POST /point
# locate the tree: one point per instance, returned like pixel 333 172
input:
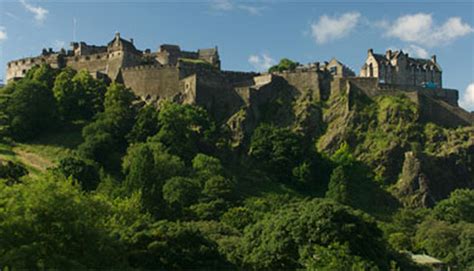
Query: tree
pixel 458 207
pixel 439 239
pixel 48 223
pixel 207 166
pixel 90 94
pixel 174 246
pixel 79 96
pixel 147 166
pixel 44 74
pixel 85 172
pixel 218 187
pixel 285 64
pixel 337 188
pixel 278 240
pixel 64 91
pixel 185 130
pixel 279 150
pixel 31 109
pixel 146 125
pixel 106 135
pixel 181 192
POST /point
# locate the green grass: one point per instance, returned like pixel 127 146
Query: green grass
pixel 43 152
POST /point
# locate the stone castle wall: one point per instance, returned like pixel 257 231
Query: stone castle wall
pixel 156 82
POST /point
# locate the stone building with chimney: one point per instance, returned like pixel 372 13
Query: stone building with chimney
pixel 398 68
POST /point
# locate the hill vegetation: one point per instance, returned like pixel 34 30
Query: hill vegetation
pixel 90 177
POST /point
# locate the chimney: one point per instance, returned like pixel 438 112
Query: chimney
pixel 131 40
pixel 388 54
pixel 117 35
pixel 433 58
pixel 371 51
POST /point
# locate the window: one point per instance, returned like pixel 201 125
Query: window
pixel 333 70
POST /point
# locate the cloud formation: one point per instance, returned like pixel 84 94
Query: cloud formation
pixel 416 51
pixel 228 5
pixel 3 34
pixel 262 62
pixel 467 100
pixel 421 29
pixel 332 28
pixel 40 13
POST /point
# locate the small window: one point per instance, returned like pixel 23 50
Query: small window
pixel 23 71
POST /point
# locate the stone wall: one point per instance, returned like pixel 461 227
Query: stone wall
pixel 304 82
pixel 155 82
pixel 19 68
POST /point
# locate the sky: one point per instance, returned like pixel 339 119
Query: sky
pixel 253 35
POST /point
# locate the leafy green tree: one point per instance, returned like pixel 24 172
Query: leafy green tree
pixel 106 135
pixel 238 217
pixel 185 130
pixel 338 187
pixel 146 125
pixel 465 249
pixel 31 109
pixel 64 91
pixel 218 187
pixel 79 96
pixel 85 172
pixel 181 192
pixel 278 149
pixel 207 166
pixel 333 257
pixel 175 246
pixel 285 64
pixel 458 207
pixel 147 166
pixel 43 73
pixel 439 239
pixel 277 241
pixel 49 223
pixel 90 94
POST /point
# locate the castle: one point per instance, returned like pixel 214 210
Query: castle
pixel 398 68
pixel 196 77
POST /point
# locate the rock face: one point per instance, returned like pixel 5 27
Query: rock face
pixel 414 186
pixel 426 180
pixel 392 133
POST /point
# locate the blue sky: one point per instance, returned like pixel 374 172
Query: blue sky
pixel 251 35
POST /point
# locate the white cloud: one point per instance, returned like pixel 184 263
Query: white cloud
pixel 251 9
pixel 416 51
pixel 262 62
pixel 3 34
pixel 467 100
pixel 222 5
pixel 228 5
pixel 421 29
pixel 332 28
pixel 39 12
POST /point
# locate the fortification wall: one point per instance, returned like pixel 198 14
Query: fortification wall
pixel 304 82
pixel 19 68
pixel 449 96
pixel 91 63
pixel 156 82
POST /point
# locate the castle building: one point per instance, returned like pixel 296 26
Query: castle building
pixel 110 59
pixel 196 77
pixel 398 68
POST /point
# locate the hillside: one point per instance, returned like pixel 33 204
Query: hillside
pixel 322 176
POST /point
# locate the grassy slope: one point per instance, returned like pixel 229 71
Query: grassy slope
pixel 44 152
